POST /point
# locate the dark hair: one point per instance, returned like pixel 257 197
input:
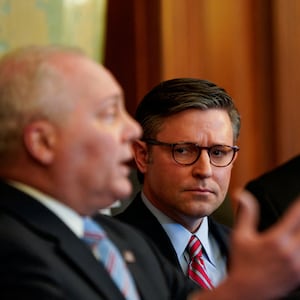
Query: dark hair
pixel 173 96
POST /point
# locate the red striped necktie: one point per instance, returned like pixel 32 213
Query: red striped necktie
pixel 196 268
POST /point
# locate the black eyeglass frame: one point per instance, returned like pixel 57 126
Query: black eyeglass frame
pixel 155 142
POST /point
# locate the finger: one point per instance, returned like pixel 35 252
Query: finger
pixel 247 211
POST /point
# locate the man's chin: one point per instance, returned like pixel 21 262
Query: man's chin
pixel 201 211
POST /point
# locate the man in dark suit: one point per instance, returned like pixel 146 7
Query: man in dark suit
pixel 184 161
pixel 183 184
pixel 276 190
pixel 65 143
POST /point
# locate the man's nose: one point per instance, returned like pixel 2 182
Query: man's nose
pixel 202 167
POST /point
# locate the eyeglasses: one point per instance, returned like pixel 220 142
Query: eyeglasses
pixel 188 153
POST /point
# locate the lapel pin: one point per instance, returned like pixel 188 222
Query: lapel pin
pixel 128 256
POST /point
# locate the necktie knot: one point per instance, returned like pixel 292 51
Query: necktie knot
pixel 93 233
pixel 194 247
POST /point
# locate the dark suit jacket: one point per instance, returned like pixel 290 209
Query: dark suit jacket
pixel 276 190
pixel 40 258
pixel 138 215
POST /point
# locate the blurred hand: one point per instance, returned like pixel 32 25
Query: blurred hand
pixel 268 261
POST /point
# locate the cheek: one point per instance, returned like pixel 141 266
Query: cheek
pixel 102 153
pixel 96 165
pixel 223 179
pixel 92 150
pixel 165 175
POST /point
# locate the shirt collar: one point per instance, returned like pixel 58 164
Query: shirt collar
pixel 71 218
pixel 178 234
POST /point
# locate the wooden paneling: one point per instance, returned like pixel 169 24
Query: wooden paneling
pixel 182 38
pixel 133 51
pixel 287 77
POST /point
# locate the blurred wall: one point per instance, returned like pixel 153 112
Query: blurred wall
pixel 79 23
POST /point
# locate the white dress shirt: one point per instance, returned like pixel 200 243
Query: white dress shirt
pixel 214 261
pixel 71 218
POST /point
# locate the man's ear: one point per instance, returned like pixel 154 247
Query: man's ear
pixel 39 139
pixel 141 155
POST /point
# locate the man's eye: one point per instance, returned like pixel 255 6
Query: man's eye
pixel 109 115
pixel 183 149
pixel 180 150
pixel 219 152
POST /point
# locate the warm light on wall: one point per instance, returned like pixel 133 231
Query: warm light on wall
pixel 79 23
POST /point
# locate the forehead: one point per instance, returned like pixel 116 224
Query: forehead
pixel 85 76
pixel 193 124
pixel 100 76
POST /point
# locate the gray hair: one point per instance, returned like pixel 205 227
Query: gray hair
pixel 31 87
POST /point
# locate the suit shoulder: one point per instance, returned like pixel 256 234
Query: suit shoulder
pixel 118 227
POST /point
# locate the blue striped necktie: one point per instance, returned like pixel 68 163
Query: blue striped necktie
pixel 110 257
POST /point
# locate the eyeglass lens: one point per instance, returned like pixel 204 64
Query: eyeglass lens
pixel 188 154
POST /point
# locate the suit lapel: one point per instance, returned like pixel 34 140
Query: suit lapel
pixel 142 282
pixel 80 255
pixel 133 263
pixel 151 227
pixel 221 233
